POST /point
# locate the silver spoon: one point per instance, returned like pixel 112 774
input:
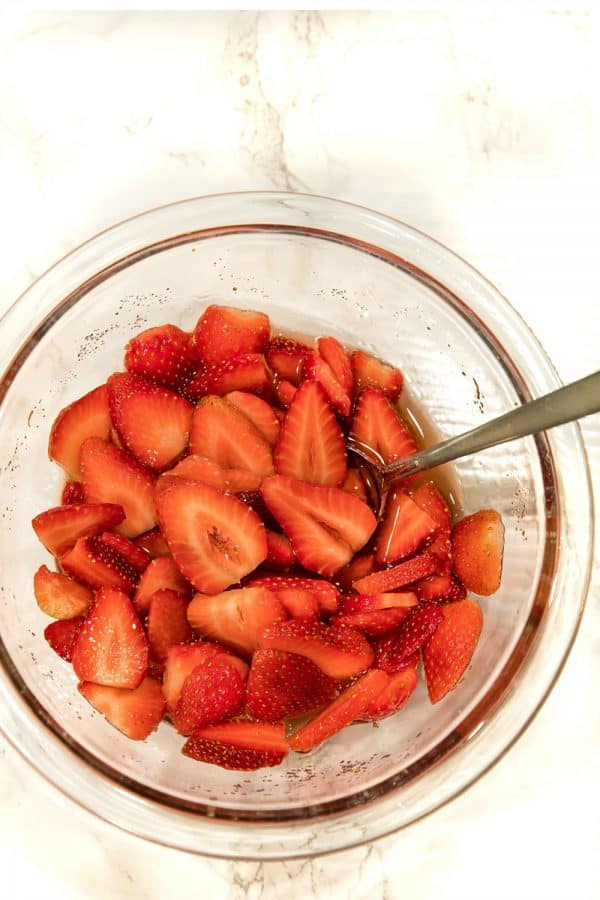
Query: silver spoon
pixel 575 401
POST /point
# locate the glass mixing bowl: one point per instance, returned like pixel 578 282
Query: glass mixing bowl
pixel 315 265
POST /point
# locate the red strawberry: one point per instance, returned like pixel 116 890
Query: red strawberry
pixel 359 567
pixel 477 549
pixel 136 712
pixel 279 551
pixel 152 422
pixel 87 417
pixel 345 709
pixel 326 525
pixel 153 543
pixel 299 604
pixel 164 355
pixel 285 357
pixel 404 528
pixel 237 617
pixel 340 652
pixel 440 587
pixel 223 331
pixel 61 636
pixel 354 484
pixel 167 621
pixel 111 476
pixel 448 652
pixel 238 745
pixel 392 651
pixel 72 494
pixel 224 434
pixel 136 557
pixel 111 647
pixel 94 563
pixel 375 622
pixel 398 576
pixel 58 529
pixel 161 574
pixel 181 661
pixel 59 596
pixel 377 424
pixel 326 593
pixel 314 368
pixel 371 372
pixel 201 468
pixel 214 538
pixel 359 603
pixel 393 697
pixel 258 411
pixel 431 501
pixel 286 392
pixel 213 691
pixel 311 445
pixel 246 372
pixel 338 361
pixel 282 685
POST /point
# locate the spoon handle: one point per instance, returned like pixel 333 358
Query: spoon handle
pixel 582 398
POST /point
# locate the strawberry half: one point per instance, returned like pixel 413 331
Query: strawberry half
pixel 224 434
pixel 285 357
pixel 61 636
pixel 182 659
pixel 448 652
pixel 136 712
pixel 224 331
pixel 237 618
pixel 280 554
pixel 325 593
pixel 153 543
pixel 340 652
pixel 59 528
pixel 404 528
pixel 282 685
pixel 87 417
pixel 311 445
pixel 398 576
pixel 326 526
pixel 258 411
pixel 392 652
pixel 314 368
pixel 246 372
pixel 161 574
pixel 94 563
pixel 59 596
pixel 214 538
pixel 137 558
pixel 393 697
pixel 164 355
pixel 167 622
pixel 111 647
pixel 334 354
pixel 213 691
pixel 201 468
pixel 371 372
pixel 72 494
pixel 477 550
pixel 238 745
pixel 377 424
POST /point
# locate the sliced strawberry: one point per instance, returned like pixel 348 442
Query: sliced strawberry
pixel 371 372
pixel 440 587
pixel 58 529
pixel 431 501
pixel 95 564
pixel 286 392
pixel 110 475
pixel 448 652
pixel 285 357
pixel 279 551
pixel 258 411
pixel 338 361
pixel 238 745
pixel 311 445
pixel 138 558
pixel 153 543
pixel 340 652
pixel 72 494
pixel 181 661
pixel 60 596
pixel 393 697
pixel 167 622
pixel 345 709
pixel 477 549
pixel 359 603
pixel 282 685
pixel 404 528
pixel 164 355
pixel 62 634
pixel 392 652
pixel 326 525
pixel 213 691
pixel 354 484
pixel 314 368
pixel 135 712
pixel 224 434
pixel 360 566
pixel 326 593
pixel 161 574
pixel 377 424
pixel 246 372
pixel 214 538
pixel 374 623
pixel 224 331
pixel 201 468
pixel 398 576
pixel 87 417
pixel 237 617
pixel 299 604
pixel 111 647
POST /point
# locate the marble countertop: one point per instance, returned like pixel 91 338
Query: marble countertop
pixel 474 128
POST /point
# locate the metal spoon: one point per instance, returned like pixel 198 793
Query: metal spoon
pixel 575 401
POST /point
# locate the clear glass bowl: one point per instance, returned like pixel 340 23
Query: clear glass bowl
pixel 315 265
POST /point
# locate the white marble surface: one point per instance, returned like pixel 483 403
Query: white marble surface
pixel 476 129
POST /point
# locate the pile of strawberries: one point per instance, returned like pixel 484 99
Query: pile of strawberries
pixel 219 563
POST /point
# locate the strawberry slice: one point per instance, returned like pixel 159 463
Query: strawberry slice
pixel 138 558
pixel 325 593
pixel 258 411
pixel 201 468
pixel 360 566
pixel 237 618
pixel 285 392
pixel 238 745
pixel 167 622
pixel 338 361
pixel 135 712
pixel 374 623
pixel 182 659
pixel 377 424
pixel 299 604
pixel 314 368
pixel 326 526
pixel 110 475
pixel 246 372
pixel 311 445
pixel 164 355
pixel 393 697
pixel 398 576
pixel 152 422
pixel 62 634
pixel 153 543
pixel 111 647
pixel 477 550
pixel 214 538
pixel 212 692
pixel 440 587
pixel 431 501
pixel 392 652
pixel 224 434
pixel 59 596
pixel 404 528
pixel 359 603
pixel 94 563
pixel 224 331
pixel 59 528
pixel 280 554
pixel 161 574
pixel 282 685
pixel 371 372
pixel 345 709
pixel 448 652
pixel 340 652
pixel 285 357
pixel 87 417
pixel 355 485
pixel 72 494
